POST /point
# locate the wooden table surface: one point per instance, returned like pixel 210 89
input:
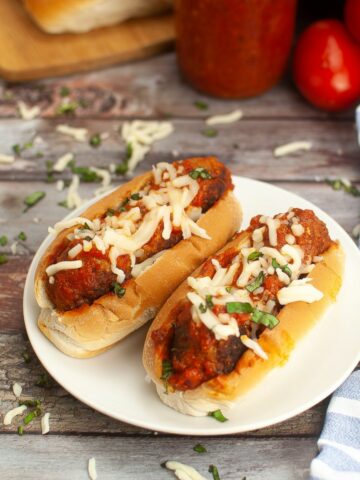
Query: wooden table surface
pixel 150 89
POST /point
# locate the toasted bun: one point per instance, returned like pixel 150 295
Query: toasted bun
pixel 296 319
pixel 90 329
pixel 57 16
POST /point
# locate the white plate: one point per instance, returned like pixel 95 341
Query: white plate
pixel 114 382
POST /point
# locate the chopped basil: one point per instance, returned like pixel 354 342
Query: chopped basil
pixel 33 199
pixel 67 107
pixel 95 140
pixel 264 318
pixel 209 302
pixel 228 289
pixel 64 92
pixel 26 357
pixel 17 148
pixel 202 308
pixel 22 236
pixel 218 415
pixel 200 172
pixel 135 196
pixel 3 259
pixel 199 448
pixel 239 307
pixel 110 212
pixel 166 372
pixel 210 132
pixel 284 268
pixel 214 471
pixel 201 105
pixel 3 240
pixel 129 151
pixel 118 289
pixel 122 168
pixel 30 416
pixel 254 256
pixel 44 381
pixel 86 174
pixel 256 283
pixel 347 187
pixel 49 171
pixel 30 403
pixel 20 430
pixel 122 206
pixel 63 204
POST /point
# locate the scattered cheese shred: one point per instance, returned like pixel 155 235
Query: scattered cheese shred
pixel 17 389
pixel 63 162
pixel 60 185
pixel 356 231
pixel 73 198
pixel 80 134
pixel 7 158
pixel 254 346
pixel 92 468
pixel 13 248
pixel 14 413
pixel 105 180
pixel 226 118
pixel 141 135
pixel 292 147
pixel 65 265
pixel 183 471
pixel 45 424
pixel 28 113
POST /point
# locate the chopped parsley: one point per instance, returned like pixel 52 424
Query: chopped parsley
pixel 118 289
pixel 254 256
pixel 3 259
pixel 214 471
pixel 199 448
pixel 251 287
pixel 218 415
pixel 201 105
pixel 67 107
pixel 284 268
pixel 33 199
pixel 210 132
pixel 22 236
pixel 3 241
pixel 95 140
pixel 346 186
pixel 200 172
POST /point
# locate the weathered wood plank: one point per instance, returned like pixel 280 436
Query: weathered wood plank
pixel 68 415
pixel 150 88
pixel 57 457
pixel 246 146
pixel 344 208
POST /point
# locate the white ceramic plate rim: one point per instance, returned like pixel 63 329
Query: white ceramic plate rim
pixel 218 428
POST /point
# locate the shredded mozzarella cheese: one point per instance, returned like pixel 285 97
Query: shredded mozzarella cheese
pixel 28 113
pixel 183 471
pixel 7 158
pixel 226 118
pixel 8 418
pixel 63 162
pixel 291 148
pixel 17 389
pixel 74 252
pixel 80 134
pixel 45 424
pixel 65 265
pixel 254 346
pixel 92 469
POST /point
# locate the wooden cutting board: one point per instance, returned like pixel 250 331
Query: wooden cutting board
pixel 27 53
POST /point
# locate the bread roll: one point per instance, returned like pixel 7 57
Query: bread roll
pixel 59 16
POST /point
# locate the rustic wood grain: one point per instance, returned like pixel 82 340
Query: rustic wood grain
pixel 59 457
pixel 68 415
pixel 152 88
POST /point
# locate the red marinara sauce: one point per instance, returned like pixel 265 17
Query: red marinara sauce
pixel 234 48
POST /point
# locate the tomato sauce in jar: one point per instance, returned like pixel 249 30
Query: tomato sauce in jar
pixel 234 48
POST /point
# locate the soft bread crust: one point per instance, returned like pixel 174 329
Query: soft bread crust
pixel 58 16
pixel 296 319
pixel 90 329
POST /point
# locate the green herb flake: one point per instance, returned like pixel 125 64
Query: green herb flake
pixel 86 174
pixel 264 318
pixel 210 132
pixel 110 212
pixel 26 357
pixel 346 186
pixel 284 268
pixel 33 199
pixel 122 206
pixel 22 236
pixel 122 168
pixel 209 302
pixel 218 415
pixel 135 196
pixel 239 307
pixel 254 256
pixel 63 203
pixel 200 172
pixel 95 140
pixel 44 381
pixel 67 107
pixel 256 283
pixel 16 149
pixel 30 416
pixel 64 91
pixel 129 150
pixel 3 259
pixel 202 307
pixel 228 289
pixel 20 430
pixel 214 471
pixel 30 403
pixel 199 448
pixel 118 289
pixel 3 240
pixel 201 105
pixel 166 372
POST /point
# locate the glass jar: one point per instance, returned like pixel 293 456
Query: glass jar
pixel 234 48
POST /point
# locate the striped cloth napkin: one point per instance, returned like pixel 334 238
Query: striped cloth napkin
pixel 339 442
